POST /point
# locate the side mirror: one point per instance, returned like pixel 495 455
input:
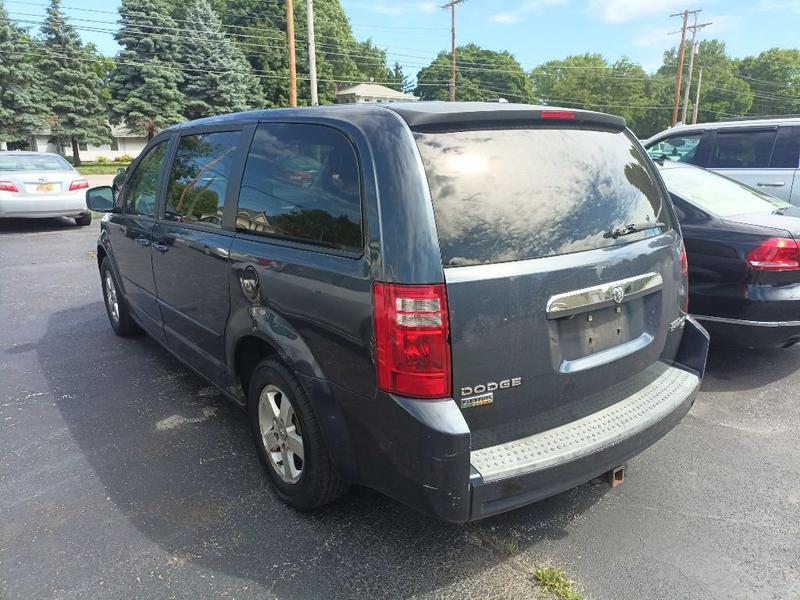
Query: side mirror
pixel 121 170
pixel 100 199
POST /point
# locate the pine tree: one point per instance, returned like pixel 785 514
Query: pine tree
pixel 145 83
pixel 21 87
pixel 217 77
pixel 74 89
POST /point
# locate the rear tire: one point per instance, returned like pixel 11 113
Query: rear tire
pixel 288 439
pixel 84 220
pixel 119 314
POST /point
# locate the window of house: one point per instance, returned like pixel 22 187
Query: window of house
pixel 301 182
pixel 114 144
pixel 83 146
pixel 199 178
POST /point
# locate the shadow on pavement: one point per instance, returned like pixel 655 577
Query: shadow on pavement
pixel 176 458
pixel 36 225
pixel 735 368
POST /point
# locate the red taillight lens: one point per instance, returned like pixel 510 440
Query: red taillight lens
pixel 775 254
pixel 78 184
pixel 7 186
pixel 557 114
pixel 411 339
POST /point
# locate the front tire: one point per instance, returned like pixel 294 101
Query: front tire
pixel 288 439
pixel 84 220
pixel 119 314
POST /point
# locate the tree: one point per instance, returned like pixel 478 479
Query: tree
pixel 74 90
pixel 217 78
pixel 589 82
pixel 774 77
pixel 21 84
pixel 481 74
pixel 145 82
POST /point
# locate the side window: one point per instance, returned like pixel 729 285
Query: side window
pixel 679 148
pixel 301 183
pixel 141 189
pixel 199 178
pixel 787 149
pixel 742 149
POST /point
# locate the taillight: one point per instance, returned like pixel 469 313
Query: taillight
pixel 557 114
pixel 7 186
pixel 411 339
pixel 685 277
pixel 775 254
pixel 78 184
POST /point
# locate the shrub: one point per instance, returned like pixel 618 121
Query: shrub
pixel 126 158
pixel 102 159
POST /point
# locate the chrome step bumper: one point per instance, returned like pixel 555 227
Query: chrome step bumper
pixel 590 434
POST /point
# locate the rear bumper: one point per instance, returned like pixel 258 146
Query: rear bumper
pixel 60 206
pixel 419 451
pixel 753 334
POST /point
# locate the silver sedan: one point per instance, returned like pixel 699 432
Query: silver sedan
pixel 41 184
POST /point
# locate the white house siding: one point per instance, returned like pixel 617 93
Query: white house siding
pixel 130 145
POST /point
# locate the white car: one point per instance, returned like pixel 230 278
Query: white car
pixel 41 184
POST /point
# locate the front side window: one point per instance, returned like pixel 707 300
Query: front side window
pixel 141 194
pixel 301 183
pixel 682 148
pixel 199 178
pixel 742 150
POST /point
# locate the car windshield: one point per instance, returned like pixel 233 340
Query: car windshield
pixel 717 194
pixel 33 162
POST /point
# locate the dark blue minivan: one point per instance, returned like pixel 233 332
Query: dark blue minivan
pixel 468 307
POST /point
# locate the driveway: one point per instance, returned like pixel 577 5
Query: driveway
pixel 124 474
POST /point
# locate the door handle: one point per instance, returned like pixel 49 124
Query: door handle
pixel 770 184
pixel 161 247
pixel 143 241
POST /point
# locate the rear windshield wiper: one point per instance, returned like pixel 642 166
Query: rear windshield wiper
pixel 631 228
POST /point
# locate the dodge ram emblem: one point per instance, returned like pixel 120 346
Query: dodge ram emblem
pixel 618 293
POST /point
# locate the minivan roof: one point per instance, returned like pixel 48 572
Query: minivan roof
pixel 424 114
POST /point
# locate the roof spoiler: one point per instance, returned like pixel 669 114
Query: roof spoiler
pixel 509 117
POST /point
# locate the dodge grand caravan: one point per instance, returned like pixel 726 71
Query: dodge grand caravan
pixel 468 307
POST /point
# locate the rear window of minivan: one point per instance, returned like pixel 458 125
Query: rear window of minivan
pixel 514 194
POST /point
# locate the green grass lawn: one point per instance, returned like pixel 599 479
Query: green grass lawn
pixel 95 168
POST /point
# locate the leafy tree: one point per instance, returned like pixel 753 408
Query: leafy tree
pixel 21 84
pixel 74 91
pixel 722 93
pixel 588 81
pixel 774 77
pixel 216 79
pixel 481 74
pixel 144 85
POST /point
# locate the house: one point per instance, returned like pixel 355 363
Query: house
pixel 123 142
pixel 370 92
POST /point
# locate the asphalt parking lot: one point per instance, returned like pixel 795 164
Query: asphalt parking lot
pixel 122 474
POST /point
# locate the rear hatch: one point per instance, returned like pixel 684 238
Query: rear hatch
pixel 550 312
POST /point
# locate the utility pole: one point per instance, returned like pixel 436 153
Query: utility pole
pixel 695 28
pixel 677 97
pixel 312 53
pixel 697 97
pixel 452 6
pixel 292 58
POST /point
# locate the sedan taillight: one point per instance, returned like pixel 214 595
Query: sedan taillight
pixel 78 184
pixel 775 254
pixel 411 339
pixel 7 186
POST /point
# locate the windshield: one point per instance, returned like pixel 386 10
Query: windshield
pixel 717 194
pixel 515 194
pixel 33 162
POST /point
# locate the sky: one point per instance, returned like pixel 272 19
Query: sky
pixel 534 31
